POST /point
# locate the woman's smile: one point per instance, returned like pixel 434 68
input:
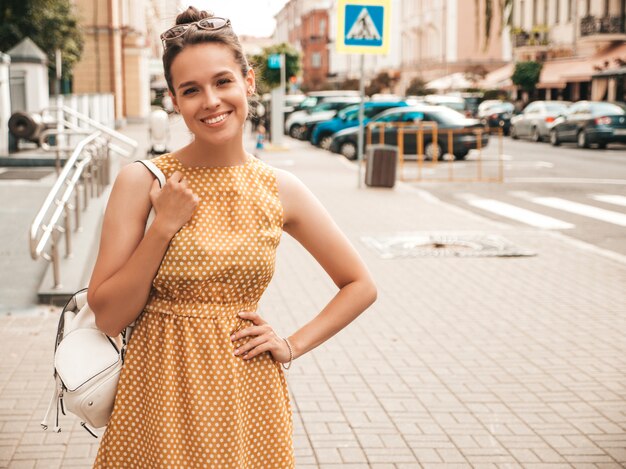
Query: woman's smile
pixel 215 120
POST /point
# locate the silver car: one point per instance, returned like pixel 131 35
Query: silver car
pixel 537 119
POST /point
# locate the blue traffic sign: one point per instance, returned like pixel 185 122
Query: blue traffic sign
pixel 363 26
pixel 273 61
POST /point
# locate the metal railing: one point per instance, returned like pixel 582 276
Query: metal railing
pixel 610 24
pixel 129 142
pixel 437 151
pixel 84 176
pixel 86 169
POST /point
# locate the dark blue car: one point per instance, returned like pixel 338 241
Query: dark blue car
pixel 349 117
pixel 591 122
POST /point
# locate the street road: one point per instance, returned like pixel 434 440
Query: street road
pixel 579 192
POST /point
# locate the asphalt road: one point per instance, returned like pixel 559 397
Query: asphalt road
pixel 578 192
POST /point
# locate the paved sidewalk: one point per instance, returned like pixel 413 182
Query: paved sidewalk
pixel 462 362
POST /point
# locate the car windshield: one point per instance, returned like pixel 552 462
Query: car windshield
pixel 323 107
pixel 556 107
pixel 501 107
pixel 453 105
pixel 349 112
pixel 448 116
pixel 604 109
pixel 308 102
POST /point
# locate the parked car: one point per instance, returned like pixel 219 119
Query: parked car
pixel 292 102
pixel 328 107
pixel 591 122
pixel 345 141
pixel 453 102
pixel 537 119
pixel 349 117
pixel 498 115
pixel 483 106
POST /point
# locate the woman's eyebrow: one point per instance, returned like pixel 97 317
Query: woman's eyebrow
pixel 217 75
pixel 186 83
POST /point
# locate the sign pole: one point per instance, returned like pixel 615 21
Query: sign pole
pixel 361 118
pixel 278 99
pixel 363 28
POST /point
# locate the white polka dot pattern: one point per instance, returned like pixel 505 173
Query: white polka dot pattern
pixel 184 400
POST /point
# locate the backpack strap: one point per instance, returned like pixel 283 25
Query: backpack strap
pixel 160 177
pixel 154 170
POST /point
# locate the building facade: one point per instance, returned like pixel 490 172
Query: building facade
pixel 314 42
pixel 442 37
pixel 121 47
pixel 579 42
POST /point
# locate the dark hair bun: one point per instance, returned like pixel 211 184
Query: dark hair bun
pixel 192 14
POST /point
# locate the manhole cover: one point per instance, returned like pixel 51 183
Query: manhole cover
pixel 25 173
pixel 443 244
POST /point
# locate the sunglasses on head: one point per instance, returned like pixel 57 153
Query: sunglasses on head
pixel 208 24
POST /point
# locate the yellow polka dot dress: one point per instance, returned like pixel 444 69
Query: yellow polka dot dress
pixel 184 400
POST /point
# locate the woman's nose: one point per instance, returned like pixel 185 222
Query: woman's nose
pixel 211 99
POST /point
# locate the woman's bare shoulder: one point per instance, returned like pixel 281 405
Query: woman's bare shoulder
pixel 134 174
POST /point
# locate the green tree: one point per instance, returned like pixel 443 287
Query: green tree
pixel 526 75
pixel 268 78
pixel 51 24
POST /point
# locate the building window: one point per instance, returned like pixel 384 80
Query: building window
pixel 534 12
pixel 316 60
pixel 323 27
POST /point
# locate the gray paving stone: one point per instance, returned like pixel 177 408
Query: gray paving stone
pixel 494 363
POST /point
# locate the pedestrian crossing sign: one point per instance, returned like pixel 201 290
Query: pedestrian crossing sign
pixel 363 26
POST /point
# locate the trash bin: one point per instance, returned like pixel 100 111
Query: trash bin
pixel 381 165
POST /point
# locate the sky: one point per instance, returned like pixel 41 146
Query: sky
pixel 248 17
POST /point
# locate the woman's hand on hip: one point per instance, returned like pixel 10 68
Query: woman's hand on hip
pixel 263 338
pixel 174 203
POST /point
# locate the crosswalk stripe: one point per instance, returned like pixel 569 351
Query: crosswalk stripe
pixel 520 214
pixel 582 209
pixel 610 199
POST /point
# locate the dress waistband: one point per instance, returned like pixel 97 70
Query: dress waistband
pixel 197 309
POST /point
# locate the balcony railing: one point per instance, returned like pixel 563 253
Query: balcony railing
pixel 591 25
pixel 523 39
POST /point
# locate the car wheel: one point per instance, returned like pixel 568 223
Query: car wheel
pixel 602 145
pixel 432 151
pixel 294 131
pixel 513 133
pixel 325 141
pixel 581 139
pixel 554 138
pixel 535 135
pixel 349 150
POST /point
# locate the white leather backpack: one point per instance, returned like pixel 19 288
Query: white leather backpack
pixel 87 362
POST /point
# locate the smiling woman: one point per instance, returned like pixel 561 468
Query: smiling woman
pixel 203 382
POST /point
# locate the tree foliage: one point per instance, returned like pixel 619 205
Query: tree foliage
pixel 526 75
pixel 381 83
pixel 417 87
pixel 51 24
pixel 268 78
